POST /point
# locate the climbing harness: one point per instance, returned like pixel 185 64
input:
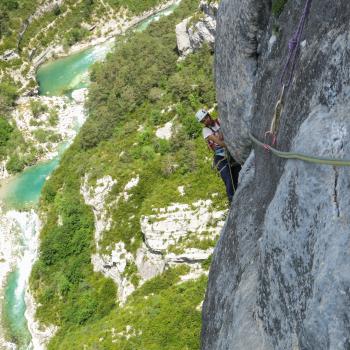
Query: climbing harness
pixel 229 163
pixel 301 156
pixel 287 74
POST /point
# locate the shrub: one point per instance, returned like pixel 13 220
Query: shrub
pixel 75 35
pixel 8 95
pixel 191 126
pixel 5 131
pixel 15 164
pixel 57 10
pixel 42 135
pixel 53 117
pixel 278 6
pixel 38 108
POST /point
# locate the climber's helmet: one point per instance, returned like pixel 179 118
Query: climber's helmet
pixel 201 114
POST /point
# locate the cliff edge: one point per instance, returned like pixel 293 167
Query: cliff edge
pixel 280 274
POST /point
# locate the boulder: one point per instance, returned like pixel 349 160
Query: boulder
pixel 191 36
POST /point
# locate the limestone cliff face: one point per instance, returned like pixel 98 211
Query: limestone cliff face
pixel 280 276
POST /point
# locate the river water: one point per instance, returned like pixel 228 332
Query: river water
pixel 19 222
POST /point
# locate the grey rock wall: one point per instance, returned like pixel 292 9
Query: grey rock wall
pixel 280 277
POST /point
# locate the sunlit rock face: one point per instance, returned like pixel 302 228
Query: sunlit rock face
pixel 169 235
pixel 280 277
pixel 191 34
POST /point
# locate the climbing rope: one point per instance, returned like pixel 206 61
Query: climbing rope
pixel 293 46
pixel 301 156
pixel 287 74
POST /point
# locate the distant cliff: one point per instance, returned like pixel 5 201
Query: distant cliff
pixel 280 274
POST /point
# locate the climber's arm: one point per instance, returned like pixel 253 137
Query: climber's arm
pixel 217 139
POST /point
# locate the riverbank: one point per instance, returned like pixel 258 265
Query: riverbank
pixel 7 264
pixel 102 31
pixel 107 30
pixel 22 114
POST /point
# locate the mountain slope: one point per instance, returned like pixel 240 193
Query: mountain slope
pixel 127 173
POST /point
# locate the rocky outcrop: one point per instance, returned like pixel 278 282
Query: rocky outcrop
pixel 69 116
pixel 240 24
pixel 167 226
pixel 3 170
pixel 279 277
pixel 163 230
pixel 41 335
pixel 9 55
pixel 191 33
pixel 113 265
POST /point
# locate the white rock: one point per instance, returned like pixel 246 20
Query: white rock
pixel 41 335
pixel 171 224
pixel 71 116
pixel 191 38
pixel 272 42
pixel 165 132
pixel 182 38
pixel 96 197
pixel 113 266
pixel 196 271
pixel 190 255
pixel 149 265
pixel 131 184
pixel 79 95
pixel 181 190
pixel 3 171
pixel 9 55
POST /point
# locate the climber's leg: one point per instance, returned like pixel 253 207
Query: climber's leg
pixel 222 166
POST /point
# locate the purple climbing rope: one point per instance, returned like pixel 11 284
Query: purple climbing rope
pixel 293 46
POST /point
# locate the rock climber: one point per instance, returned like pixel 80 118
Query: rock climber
pixel 229 170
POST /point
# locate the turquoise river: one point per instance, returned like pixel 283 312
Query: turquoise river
pixel 22 192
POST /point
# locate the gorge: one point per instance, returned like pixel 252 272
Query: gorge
pixel 23 191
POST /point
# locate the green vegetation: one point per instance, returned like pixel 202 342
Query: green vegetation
pixel 38 108
pixel 67 18
pixel 139 88
pixel 12 143
pixel 162 314
pixel 53 117
pixel 278 6
pixel 43 135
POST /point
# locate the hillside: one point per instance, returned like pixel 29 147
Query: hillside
pixel 133 212
pixel 30 34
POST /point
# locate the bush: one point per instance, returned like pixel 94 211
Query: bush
pixel 53 117
pixel 10 4
pixel 38 108
pixel 57 10
pixel 278 6
pixel 5 131
pixel 191 126
pixel 42 135
pixel 15 164
pixel 75 35
pixel 8 95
